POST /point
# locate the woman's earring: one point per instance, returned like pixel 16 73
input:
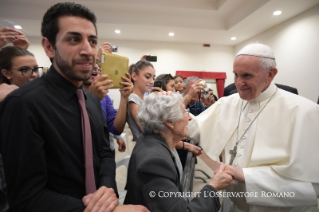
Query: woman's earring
pixel 172 126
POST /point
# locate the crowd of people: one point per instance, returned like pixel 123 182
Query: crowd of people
pixel 57 131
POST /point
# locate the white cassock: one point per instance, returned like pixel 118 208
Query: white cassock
pixel 279 153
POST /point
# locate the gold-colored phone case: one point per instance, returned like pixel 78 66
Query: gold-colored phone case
pixel 115 67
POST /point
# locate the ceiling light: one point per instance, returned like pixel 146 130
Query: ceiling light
pixel 171 34
pixel 233 38
pixel 278 12
pixel 17 27
pixel 117 31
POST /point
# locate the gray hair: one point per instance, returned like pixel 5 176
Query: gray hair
pixel 267 63
pixel 189 79
pixel 156 109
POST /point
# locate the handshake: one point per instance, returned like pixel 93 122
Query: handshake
pixel 225 175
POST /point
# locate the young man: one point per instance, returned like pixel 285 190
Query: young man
pixel 41 128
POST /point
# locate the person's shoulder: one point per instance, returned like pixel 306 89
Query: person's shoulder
pixel 231 99
pixel 294 101
pixel 153 144
pixel 134 98
pixel 91 97
pixel 30 90
pixel 106 100
pixel 149 150
pixel 29 94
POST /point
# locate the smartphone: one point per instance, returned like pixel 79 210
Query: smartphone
pixel 157 84
pixel 151 58
pixel 10 24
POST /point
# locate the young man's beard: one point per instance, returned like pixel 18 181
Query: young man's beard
pixel 66 69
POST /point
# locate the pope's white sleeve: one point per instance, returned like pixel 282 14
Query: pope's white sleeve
pixel 193 129
pixel 277 191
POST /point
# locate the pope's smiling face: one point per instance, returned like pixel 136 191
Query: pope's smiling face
pixel 250 77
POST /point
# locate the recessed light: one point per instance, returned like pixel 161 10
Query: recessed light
pixel 233 38
pixel 117 31
pixel 171 34
pixel 17 27
pixel 278 12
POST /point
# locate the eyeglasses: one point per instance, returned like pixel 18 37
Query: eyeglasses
pixel 27 71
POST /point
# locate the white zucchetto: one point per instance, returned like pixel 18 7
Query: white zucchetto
pixel 257 49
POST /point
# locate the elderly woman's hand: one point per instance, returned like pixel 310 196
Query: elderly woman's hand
pixel 221 179
pixel 196 150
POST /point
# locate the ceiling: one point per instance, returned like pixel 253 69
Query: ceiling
pixel 193 21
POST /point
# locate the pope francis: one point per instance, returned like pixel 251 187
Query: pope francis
pixel 269 138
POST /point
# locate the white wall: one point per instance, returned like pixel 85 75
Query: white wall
pixel 294 42
pixel 170 56
pixel 296 47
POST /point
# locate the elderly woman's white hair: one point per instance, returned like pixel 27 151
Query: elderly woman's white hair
pixel 156 109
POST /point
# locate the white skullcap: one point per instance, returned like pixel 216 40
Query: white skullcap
pixel 257 49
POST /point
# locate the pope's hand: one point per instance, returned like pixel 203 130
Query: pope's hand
pixel 237 173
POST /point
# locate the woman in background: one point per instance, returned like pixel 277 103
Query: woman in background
pixel 143 75
pixel 179 83
pixel 17 66
pixel 167 80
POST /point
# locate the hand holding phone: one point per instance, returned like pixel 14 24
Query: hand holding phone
pixel 8 34
pixel 157 84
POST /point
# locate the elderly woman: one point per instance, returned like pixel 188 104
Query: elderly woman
pixel 153 169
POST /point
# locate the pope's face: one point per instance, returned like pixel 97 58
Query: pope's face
pixel 74 55
pixel 250 78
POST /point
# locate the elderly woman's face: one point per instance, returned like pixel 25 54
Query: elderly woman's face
pixel 180 126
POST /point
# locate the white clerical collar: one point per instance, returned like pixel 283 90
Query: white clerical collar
pixel 264 95
pixel 267 93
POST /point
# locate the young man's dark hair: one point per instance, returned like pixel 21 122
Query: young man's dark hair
pixel 50 26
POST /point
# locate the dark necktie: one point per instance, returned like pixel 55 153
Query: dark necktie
pixel 87 144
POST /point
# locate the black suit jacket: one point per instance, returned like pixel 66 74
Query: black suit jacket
pixel 152 171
